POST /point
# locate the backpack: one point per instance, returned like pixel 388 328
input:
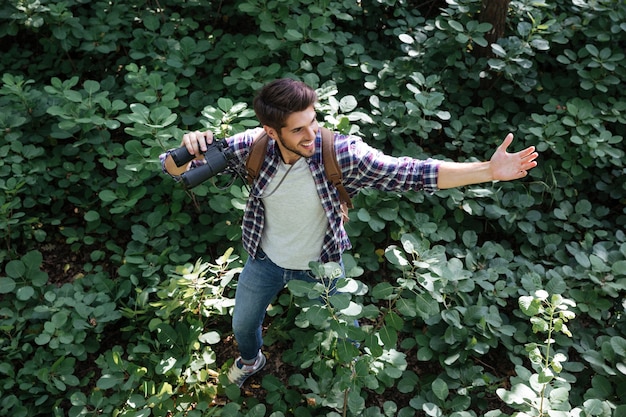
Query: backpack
pixel 329 158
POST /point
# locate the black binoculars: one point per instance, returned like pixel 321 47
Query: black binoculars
pixel 216 159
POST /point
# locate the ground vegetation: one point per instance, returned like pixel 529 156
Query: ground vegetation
pixel 497 300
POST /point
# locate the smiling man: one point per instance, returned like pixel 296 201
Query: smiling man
pixel 293 215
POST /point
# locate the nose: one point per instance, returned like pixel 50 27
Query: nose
pixel 311 132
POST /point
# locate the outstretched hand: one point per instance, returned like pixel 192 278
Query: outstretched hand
pixel 511 166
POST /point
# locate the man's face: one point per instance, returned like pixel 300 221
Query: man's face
pixel 297 138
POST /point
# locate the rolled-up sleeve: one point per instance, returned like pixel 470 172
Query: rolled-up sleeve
pixel 366 167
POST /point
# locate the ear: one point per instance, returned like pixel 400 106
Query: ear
pixel 271 132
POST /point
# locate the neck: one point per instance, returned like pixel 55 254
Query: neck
pixel 287 156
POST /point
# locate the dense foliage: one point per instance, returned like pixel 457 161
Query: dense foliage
pixel 489 300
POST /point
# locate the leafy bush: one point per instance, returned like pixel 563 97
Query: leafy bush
pixel 104 308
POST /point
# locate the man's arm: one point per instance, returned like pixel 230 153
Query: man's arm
pixel 502 166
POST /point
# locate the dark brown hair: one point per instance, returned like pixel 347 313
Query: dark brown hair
pixel 278 99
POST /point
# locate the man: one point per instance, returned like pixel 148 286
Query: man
pixel 293 214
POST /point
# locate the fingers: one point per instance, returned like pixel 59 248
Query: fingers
pixel 506 142
pixel 528 153
pixel 197 142
pixel 526 156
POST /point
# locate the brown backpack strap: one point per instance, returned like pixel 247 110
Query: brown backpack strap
pixel 256 156
pixel 331 166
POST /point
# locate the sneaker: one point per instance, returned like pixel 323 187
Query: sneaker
pixel 239 372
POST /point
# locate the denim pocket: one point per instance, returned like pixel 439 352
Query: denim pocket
pixel 260 255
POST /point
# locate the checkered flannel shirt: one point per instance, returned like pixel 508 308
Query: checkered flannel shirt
pixel 362 167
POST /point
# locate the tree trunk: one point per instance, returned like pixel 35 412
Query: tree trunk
pixel 494 12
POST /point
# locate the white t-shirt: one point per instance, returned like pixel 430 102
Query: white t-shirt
pixel 295 221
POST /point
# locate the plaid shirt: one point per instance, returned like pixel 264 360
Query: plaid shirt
pixel 362 167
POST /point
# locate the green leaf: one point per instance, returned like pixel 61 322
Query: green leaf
pixel 425 354
pixel 372 343
pixel 618 344
pixel 347 104
pixel 108 381
pixel 498 50
pixel 388 214
pixel 73 96
pixel 406 307
pixel 258 410
pixel 619 267
pixel 559 396
pixel 470 239
pixel 25 293
pixel 91 86
pixel 162 117
pixel 594 407
pixel 456 25
pixel 140 113
pixel 151 21
pixel 15 269
pixel 293 35
pixel 592 49
pixel 440 389
pixel 556 285
pixel 411 244
pixel 426 306
pixel 396 256
pixel 519 394
pixel 346 350
pixel 582 258
pixel 166 365
pixel 312 49
pixel 432 410
pixel 406 38
pixel 363 215
pixel 484 27
pixel 394 321
pixel 134 147
pixel 545 376
pixel 340 300
pixel 524 28
pixel 79 399
pixel 59 319
pixel 225 104
pixel 43 339
pixel 602 386
pixel 388 336
pixel 92 216
pixel 620 410
pixel 356 403
pixel 107 196
pixel 7 285
pixel 139 233
pixel 383 291
pixel 539 325
pixel 317 315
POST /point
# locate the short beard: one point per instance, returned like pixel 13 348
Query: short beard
pixel 279 138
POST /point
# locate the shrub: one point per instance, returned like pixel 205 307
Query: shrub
pixel 96 240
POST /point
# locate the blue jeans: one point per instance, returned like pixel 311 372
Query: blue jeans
pixel 259 282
